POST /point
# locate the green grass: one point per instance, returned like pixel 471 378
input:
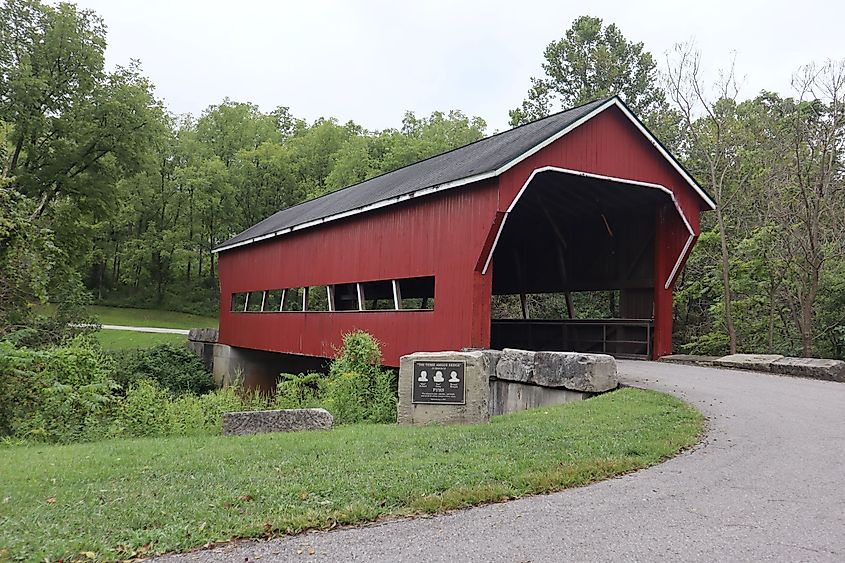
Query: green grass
pixel 146 317
pixel 150 317
pixel 124 339
pixel 110 498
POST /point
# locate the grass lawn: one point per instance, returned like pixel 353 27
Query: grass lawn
pixel 124 339
pixel 146 317
pixel 106 500
pixel 150 317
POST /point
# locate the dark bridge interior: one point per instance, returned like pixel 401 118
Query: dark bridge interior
pixel 570 233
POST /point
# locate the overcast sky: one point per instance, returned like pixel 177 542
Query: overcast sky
pixel 369 61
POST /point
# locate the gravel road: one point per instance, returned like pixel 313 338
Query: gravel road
pixel 767 483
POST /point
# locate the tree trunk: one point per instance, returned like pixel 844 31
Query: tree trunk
pixel 726 282
pixel 16 156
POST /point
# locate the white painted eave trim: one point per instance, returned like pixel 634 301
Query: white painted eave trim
pixel 689 179
pixel 684 251
pixel 492 174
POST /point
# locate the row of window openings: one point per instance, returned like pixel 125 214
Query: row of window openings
pixel 411 294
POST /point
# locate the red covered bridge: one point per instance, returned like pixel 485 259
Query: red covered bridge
pixel 583 200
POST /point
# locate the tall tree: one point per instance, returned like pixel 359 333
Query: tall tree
pixel 592 61
pixel 76 128
pixel 711 144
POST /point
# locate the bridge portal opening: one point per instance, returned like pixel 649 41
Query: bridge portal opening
pixel 573 266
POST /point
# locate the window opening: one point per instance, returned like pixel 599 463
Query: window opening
pixel 254 301
pixel 273 301
pixel 416 293
pixel 378 295
pixel 345 297
pixel 317 298
pixel 238 302
pixel 293 299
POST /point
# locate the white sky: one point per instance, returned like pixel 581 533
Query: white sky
pixel 369 61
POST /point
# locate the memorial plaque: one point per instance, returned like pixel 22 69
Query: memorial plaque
pixel 439 383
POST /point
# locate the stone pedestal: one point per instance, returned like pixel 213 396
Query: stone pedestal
pixel 474 381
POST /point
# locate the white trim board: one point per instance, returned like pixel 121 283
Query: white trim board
pixel 664 189
pixel 615 101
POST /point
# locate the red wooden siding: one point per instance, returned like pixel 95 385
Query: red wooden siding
pixel 440 235
pixel 446 235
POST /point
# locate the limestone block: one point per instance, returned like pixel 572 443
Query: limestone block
pixel 689 359
pixel 516 365
pixel 757 362
pixel 203 335
pixel 480 366
pixel 589 373
pixel 815 368
pixel 284 420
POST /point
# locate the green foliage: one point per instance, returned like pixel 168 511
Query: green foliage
pixel 299 391
pixel 21 383
pixel 359 389
pixel 592 61
pixel 68 394
pixel 143 411
pixel 61 394
pixel 27 256
pixel 173 367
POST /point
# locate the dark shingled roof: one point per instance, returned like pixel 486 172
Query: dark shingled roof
pixel 483 156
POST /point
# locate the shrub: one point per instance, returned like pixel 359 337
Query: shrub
pixel 143 411
pixel 358 389
pixel 173 367
pixel 299 391
pixel 60 394
pixel 21 383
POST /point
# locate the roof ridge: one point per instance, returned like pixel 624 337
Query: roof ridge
pixel 598 102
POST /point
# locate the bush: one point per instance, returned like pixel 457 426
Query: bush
pixel 21 383
pixel 143 411
pixel 149 410
pixel 358 389
pixel 299 391
pixel 60 394
pixel 172 367
pixel 67 394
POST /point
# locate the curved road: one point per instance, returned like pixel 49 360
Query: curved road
pixel 768 482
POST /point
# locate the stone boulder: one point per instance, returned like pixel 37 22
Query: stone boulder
pixel 283 420
pixel 815 368
pixel 588 373
pixel 203 335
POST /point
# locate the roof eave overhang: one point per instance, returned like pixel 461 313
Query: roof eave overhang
pixel 491 174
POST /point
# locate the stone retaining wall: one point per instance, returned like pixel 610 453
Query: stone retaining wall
pixel 812 368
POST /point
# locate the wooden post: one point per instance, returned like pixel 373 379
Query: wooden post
pixel 663 263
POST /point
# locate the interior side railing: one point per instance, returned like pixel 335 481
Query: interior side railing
pixel 621 338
